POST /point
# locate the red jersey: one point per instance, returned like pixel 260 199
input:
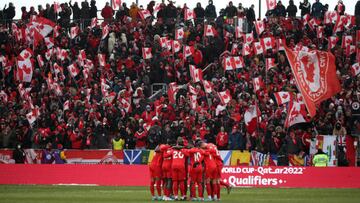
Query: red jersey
pixel 166 153
pixel 157 160
pixel 212 149
pixel 196 156
pixel 179 158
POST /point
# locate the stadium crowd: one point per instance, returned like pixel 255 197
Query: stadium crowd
pixel 114 101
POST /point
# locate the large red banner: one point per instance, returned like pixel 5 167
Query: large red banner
pixel 138 175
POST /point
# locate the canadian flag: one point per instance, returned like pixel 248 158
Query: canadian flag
pixel 49 42
pixel 172 90
pixel 42 25
pixel 270 4
pixel 192 89
pixel 246 49
pixel 250 118
pixel 313 23
pixel 179 33
pixel 144 14
pixel 63 54
pixel 82 56
pixel 248 38
pixel 115 4
pixel 355 69
pixel 315 75
pixel 163 42
pixel 193 102
pixel 196 74
pixel 280 44
pixel 57 31
pixel 125 104
pixel 258 83
pixel 238 32
pixel 85 72
pixel 350 50
pixel 346 41
pixel 208 86
pixel 89 64
pixel 57 69
pixel 268 42
pixel 296 114
pixel 33 115
pixel 105 32
pixel 339 25
pixel 49 53
pixel 40 61
pixel 146 52
pixel 176 46
pixel 258 48
pixel 330 16
pixel 74 31
pixel 74 71
pixel 282 97
pixel 66 105
pixel 260 27
pixel 24 70
pixel 332 41
pixel 102 61
pixel 188 51
pixel 320 32
pixel 233 62
pixel 189 14
pixel 270 63
pixel 209 31
pixel 225 97
pixel 26 54
pixel 94 22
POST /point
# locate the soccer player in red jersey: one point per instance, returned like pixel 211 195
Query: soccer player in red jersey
pixel 210 172
pixel 179 155
pixel 166 171
pixel 196 173
pixel 155 174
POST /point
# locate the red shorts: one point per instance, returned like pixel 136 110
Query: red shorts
pixel 196 175
pixel 210 173
pixel 166 172
pixel 218 172
pixel 155 172
pixel 178 174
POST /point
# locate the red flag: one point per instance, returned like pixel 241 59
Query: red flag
pixel 193 102
pixel 115 4
pixel 320 32
pixel 94 22
pixel 105 32
pixel 144 14
pixel 85 72
pixel 238 32
pixel 125 104
pixel 225 97
pixel 282 97
pixel 270 63
pixel 163 42
pixel 33 115
pixel 74 31
pixel 248 38
pixel 179 33
pixel 176 46
pixel 188 51
pixel 258 48
pixel 196 73
pixel 102 61
pixel 350 49
pixel 315 75
pixel 172 90
pixel 250 118
pixel 63 54
pixel 346 41
pixel 280 44
pixel 209 31
pixel 268 42
pixel 296 114
pixel 233 62
pixel 208 86
pixel 146 52
pixel 73 70
pixel 270 4
pixel 49 42
pixel 246 49
pixel 66 105
pixel 192 90
pixel 40 61
pixel 24 70
pixel 258 83
pixel 189 14
pixel 332 42
pixel 355 69
pixel 260 27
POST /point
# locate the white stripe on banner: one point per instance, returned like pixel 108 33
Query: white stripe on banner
pixel 225 156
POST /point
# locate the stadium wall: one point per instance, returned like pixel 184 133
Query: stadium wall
pixel 138 175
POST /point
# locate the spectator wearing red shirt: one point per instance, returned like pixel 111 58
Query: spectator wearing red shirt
pixel 222 139
pixel 107 12
pixel 147 115
pixel 140 136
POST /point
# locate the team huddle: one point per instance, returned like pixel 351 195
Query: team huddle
pixel 170 169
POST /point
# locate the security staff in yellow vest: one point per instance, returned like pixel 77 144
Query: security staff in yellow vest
pixel 320 159
pixel 118 143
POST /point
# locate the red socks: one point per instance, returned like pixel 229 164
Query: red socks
pixel 208 189
pixel 175 188
pixel 200 190
pixel 152 189
pixel 158 187
pixel 192 190
pixel 224 184
pixel 217 190
pixel 182 188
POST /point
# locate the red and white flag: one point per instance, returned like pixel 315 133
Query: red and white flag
pixel 248 38
pixel 315 75
pixel 172 90
pixel 282 97
pixel 233 62
pixel 268 42
pixel 189 14
pixel 82 56
pixel 238 32
pixel 209 31
pixel 296 114
pixel 105 31
pixel 144 14
pixel 66 105
pixel 196 74
pixel 146 52
pixel 57 69
pixel 246 49
pixel 73 70
pixel 188 51
pixel 26 54
pixel 94 22
pixel 102 61
pixel 179 33
pixel 115 4
pixel 25 69
pixel 125 105
pixel 339 25
pixel 40 61
pixel 33 115
pixel 85 72
pixel 193 102
pixel 176 46
pixel 208 86
pixel 270 63
pixel 346 41
pixel 270 4
pixel 251 118
pixel 192 90
pixel 355 69
pixel 49 42
pixel 258 48
pixel 74 31
pixel 260 27
pixel 257 83
pixel 280 43
pixel 332 41
pixel 225 97
pixel 313 23
pixel 350 49
pixel 163 42
pixel 320 32
pixel 57 31
pixel 63 54
pixel 42 25
pixel 49 53
pixel 330 16
pixel 89 64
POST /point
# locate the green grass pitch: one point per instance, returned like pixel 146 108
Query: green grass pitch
pixel 82 194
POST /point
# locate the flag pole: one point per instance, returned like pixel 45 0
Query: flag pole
pixel 259 9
